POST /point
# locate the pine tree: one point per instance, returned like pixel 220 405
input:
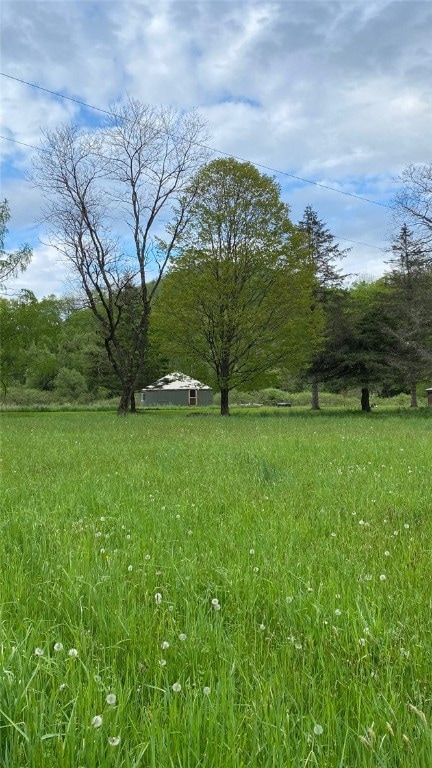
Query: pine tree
pixel 325 253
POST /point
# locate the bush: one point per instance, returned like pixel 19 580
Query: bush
pixel 70 384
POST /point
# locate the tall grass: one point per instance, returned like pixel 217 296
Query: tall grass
pixel 253 591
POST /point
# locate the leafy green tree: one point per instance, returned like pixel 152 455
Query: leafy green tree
pixel 325 254
pixel 70 384
pixel 238 297
pixel 410 281
pixel 361 340
pixel 11 263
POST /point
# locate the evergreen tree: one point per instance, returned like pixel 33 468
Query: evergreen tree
pixel 325 253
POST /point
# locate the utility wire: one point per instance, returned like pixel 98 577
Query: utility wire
pixel 40 149
pixel 204 146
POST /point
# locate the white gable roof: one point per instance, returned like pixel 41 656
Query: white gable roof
pixel 176 380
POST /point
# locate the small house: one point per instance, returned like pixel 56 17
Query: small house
pixel 177 389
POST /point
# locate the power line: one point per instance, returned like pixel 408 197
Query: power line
pixel 40 149
pixel 204 146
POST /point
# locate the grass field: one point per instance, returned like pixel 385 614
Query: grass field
pixel 198 592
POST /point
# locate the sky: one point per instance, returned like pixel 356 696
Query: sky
pixel 332 91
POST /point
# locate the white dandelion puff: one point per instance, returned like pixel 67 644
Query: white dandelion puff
pixel 176 687
pixel 130 568
pixel 73 653
pixel 114 741
pixel 165 645
pixel 182 637
pixel 111 699
pixel 215 601
pixel 162 662
pixel 39 652
pixel 158 598
pixel 97 721
pixel 318 729
pixel 383 577
pixel 206 690
pixel 58 647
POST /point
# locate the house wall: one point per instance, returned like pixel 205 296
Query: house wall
pixel 175 397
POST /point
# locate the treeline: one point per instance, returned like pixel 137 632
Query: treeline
pixel 373 335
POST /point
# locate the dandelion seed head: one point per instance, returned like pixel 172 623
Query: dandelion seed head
pixel 111 699
pixel 318 730
pixel 215 601
pixel 383 577
pixel 289 599
pixel 262 627
pixel 130 568
pixel 39 652
pixel 97 721
pixel 147 557
pixel 165 645
pixel 97 678
pixel 251 551
pixel 114 741
pixel 362 641
pixel 255 569
pixel 158 598
pixel 176 687
pixel 162 662
pixel 73 653
pixel 58 646
pixel 338 612
pixel 206 690
pixel 182 637
pixel 216 606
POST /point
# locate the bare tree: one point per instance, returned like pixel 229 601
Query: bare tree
pixel 110 196
pixel 413 203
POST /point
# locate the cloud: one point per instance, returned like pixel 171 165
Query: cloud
pixel 334 91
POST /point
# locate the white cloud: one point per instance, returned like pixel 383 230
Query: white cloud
pixel 336 91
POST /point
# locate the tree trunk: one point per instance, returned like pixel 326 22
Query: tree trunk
pixel 365 403
pixel 124 403
pixel 315 397
pixel 224 409
pixel 414 403
pixel 132 403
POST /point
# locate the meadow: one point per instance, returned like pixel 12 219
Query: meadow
pixel 185 591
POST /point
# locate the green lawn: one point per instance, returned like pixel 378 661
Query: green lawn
pixel 275 568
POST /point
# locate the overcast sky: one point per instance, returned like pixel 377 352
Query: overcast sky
pixel 333 91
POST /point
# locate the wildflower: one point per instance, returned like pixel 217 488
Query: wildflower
pixel 176 687
pixel 177 517
pixel 111 699
pixel 39 652
pixel 216 606
pixel 58 646
pixel 73 653
pixel 206 690
pixel 386 553
pixel 114 741
pixel 289 599
pixel 102 519
pixel 251 551
pixel 215 601
pixel 158 597
pixel 165 645
pixel 318 730
pixel 383 577
pixel 406 526
pixel 182 637
pixel 262 627
pixel 147 557
pixel 97 721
